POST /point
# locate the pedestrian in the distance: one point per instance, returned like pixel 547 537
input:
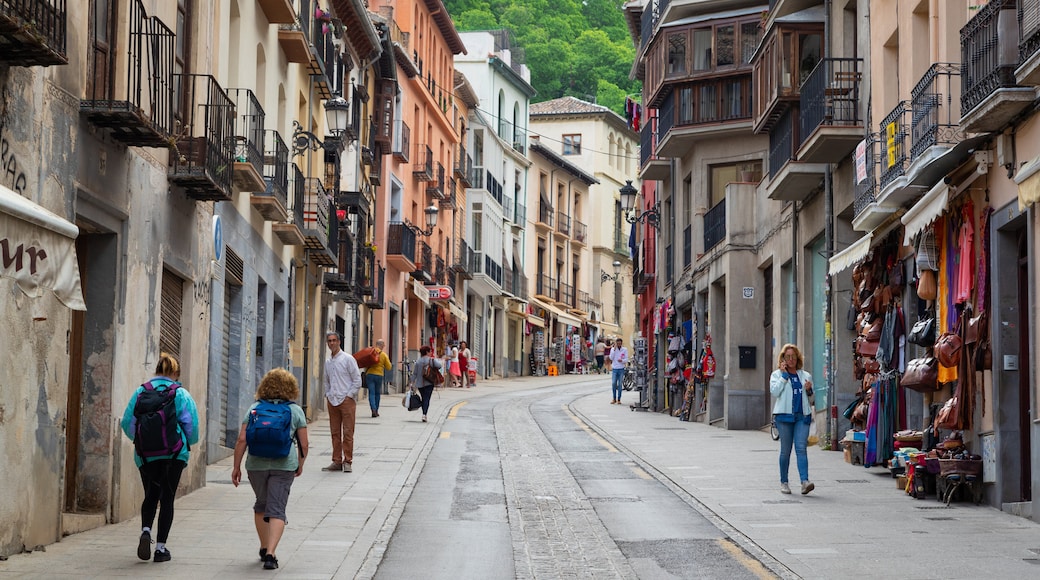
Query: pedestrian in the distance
pixel 599 352
pixel 272 477
pixel 163 422
pixel 342 383
pixel 374 377
pixel 419 381
pixel 464 355
pixel 793 389
pixel 618 359
pixel 454 368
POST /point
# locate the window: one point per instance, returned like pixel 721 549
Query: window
pixel 724 43
pixel 702 49
pixel 750 35
pixel 572 144
pixel 723 175
pixel 676 54
pixel 478 227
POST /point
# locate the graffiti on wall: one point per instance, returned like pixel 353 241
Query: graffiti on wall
pixel 12 174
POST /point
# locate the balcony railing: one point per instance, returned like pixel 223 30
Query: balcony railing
pixel 32 32
pixel 713 101
pixel 936 109
pixel 139 112
pixel 424 253
pixel 521 215
pixel 439 271
pixel 422 169
pixel 464 261
pixel 464 168
pixel 982 54
pixel 298 195
pixel 547 286
pixel 1029 25
pixel 450 198
pixel 581 232
pixel 435 186
pixel 545 214
pixel 400 241
pixel 563 223
pixel 402 140
pixel 567 294
pixel 714 226
pixel 316 215
pixel 272 202
pixel 894 131
pixel 520 285
pixel 249 140
pixel 830 95
pixel 520 141
pixel 584 304
pixel 866 192
pixel 620 242
pixel 202 159
pixel 781 143
pixel 375 299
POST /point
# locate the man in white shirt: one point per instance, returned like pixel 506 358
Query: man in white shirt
pixel 342 383
pixel 618 358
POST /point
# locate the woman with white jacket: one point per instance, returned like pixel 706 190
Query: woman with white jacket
pixel 792 388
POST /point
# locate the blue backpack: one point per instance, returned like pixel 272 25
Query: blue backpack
pixel 269 430
pixel 157 432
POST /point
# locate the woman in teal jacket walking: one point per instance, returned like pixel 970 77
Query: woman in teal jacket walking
pixel 160 459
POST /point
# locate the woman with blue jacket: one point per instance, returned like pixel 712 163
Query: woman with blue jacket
pixel 792 412
pixel 160 465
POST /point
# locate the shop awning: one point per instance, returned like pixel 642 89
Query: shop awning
pixel 457 312
pixel 560 315
pixel 924 212
pixel 536 320
pixel 850 255
pixel 1028 180
pixel 39 250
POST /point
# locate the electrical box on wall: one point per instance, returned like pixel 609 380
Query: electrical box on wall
pixel 748 354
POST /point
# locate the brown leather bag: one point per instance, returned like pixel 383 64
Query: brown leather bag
pixel 948 349
pixel 949 415
pixel 867 348
pixel 926 285
pixel 922 375
pixel 871 365
pixel 976 329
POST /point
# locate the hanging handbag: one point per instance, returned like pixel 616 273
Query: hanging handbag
pixel 926 285
pixel 922 375
pixel 923 332
pixel 976 329
pixel 948 349
pixel 852 407
pixel 948 415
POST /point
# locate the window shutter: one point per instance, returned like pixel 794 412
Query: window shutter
pixel 170 310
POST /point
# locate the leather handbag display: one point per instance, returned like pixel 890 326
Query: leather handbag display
pixel 922 375
pixel 923 332
pixel 948 349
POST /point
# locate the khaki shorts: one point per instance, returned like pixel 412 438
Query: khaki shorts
pixel 271 488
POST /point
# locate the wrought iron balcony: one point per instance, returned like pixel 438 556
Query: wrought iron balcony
pixel 520 219
pixel 620 242
pixel 400 247
pixel 545 215
pixel 317 219
pixel 424 267
pixel 439 271
pixel 520 141
pixel 375 300
pixel 464 261
pixel 563 224
pixel 202 161
pixel 365 270
pixel 464 168
pixel 32 32
pixel 547 286
pixel 894 131
pixel 435 186
pixel 831 124
pixel 450 199
pixel 584 303
pixel 422 169
pixel 935 120
pixel 343 280
pixel 402 140
pixel 581 232
pixel 249 141
pixel 715 225
pixel 991 96
pixel 567 295
pixel 291 232
pixel 272 202
pixel 140 112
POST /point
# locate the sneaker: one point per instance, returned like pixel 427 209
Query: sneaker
pixel 347 468
pixel 807 486
pixel 163 556
pixel 144 546
pixel 333 467
pixel 270 562
pixel 424 418
pixel 784 488
pixel 263 554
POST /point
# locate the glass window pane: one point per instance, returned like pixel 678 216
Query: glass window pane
pixel 706 104
pixel 750 34
pixel 724 39
pixel 702 49
pixel 677 54
pixel 809 53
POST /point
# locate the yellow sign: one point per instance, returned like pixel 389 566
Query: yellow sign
pixel 890 141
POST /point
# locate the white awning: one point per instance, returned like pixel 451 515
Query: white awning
pixel 1028 181
pixel 39 250
pixel 421 292
pixel 536 320
pixel 560 315
pixel 459 313
pixel 850 255
pixel 924 212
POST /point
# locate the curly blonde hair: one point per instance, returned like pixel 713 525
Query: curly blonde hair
pixel 797 353
pixel 278 384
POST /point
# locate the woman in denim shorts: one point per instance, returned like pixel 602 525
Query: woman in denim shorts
pixel 272 478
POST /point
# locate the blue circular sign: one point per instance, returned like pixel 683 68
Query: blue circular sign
pixel 218 238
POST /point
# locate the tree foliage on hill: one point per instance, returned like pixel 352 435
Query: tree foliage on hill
pixel 579 48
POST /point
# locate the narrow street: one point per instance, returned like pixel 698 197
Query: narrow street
pixel 543 478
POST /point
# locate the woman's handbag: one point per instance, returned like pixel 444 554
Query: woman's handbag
pixel 852 407
pixel 948 417
pixel 926 285
pixel 923 332
pixel 412 400
pixel 432 375
pixel 948 349
pixel 922 375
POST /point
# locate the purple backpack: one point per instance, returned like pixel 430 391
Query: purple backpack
pixel 157 434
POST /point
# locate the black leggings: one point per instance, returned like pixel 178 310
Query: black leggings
pixel 160 479
pixel 427 393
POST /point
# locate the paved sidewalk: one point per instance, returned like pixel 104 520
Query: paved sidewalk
pixel 339 523
pixel 856 524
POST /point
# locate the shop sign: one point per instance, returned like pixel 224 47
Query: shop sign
pixel 440 292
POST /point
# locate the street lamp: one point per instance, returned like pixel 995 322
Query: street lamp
pixel 651 216
pixel 431 221
pixel 337 117
pixel 603 276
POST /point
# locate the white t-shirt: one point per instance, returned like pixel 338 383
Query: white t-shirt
pixel 618 357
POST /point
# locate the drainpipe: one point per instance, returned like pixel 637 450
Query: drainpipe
pixel 831 404
pixel 305 392
pixel 794 271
